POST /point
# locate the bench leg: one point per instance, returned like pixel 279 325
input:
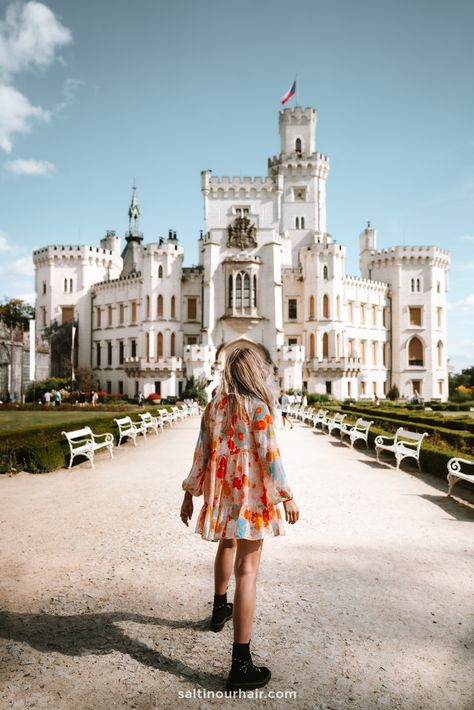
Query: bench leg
pixel 452 480
pixel 111 451
pixel 377 454
pixel 91 459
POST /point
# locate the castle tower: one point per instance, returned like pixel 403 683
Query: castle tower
pixel 132 253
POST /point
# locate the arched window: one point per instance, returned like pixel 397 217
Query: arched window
pixel 326 345
pixel 311 307
pixel 297 222
pixel 338 307
pixel 415 352
pixel 160 272
pixel 325 306
pixel 440 353
pixel 246 291
pixel 312 349
pixel 238 291
pixel 159 306
pixel 254 295
pixel 325 273
pixel 338 345
pixel 147 346
pixel 159 345
pixel 231 292
pixel 172 344
pixel 173 307
pixel 298 145
pixel 148 306
pixel 302 222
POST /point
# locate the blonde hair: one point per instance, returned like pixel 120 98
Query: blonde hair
pixel 245 374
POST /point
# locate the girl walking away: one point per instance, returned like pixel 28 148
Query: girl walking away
pixel 238 468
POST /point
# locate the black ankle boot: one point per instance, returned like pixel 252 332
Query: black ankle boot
pixel 221 612
pixel 244 675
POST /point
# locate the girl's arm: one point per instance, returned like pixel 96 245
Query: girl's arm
pixel 268 456
pixel 194 482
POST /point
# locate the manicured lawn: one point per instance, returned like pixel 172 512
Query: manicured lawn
pixel 15 421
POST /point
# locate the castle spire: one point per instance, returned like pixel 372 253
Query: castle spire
pixel 134 233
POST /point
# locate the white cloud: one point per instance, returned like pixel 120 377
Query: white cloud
pixel 5 246
pixel 29 37
pixel 17 115
pixel 19 267
pixel 69 92
pixel 22 166
pixel 464 304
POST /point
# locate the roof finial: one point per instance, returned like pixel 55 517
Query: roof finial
pixel 368 224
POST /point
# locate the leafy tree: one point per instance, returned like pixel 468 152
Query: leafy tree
pixel 195 389
pixel 85 379
pixel 16 313
pixel 394 393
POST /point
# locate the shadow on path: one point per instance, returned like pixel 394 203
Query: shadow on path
pixel 99 634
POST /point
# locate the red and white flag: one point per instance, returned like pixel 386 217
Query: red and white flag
pixel 289 93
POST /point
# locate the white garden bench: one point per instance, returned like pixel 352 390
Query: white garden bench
pixel 166 417
pixel 151 422
pixel 319 417
pixel 128 428
pixel 177 413
pixel 455 473
pixel 405 444
pixel 359 430
pixel 83 442
pixel 335 423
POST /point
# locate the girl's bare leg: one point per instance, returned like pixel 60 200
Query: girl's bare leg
pixel 223 565
pixel 247 561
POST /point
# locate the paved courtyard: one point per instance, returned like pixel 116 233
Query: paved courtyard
pixel 104 593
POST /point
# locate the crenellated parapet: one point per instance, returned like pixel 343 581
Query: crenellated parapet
pixel 72 252
pixel 433 255
pixel 232 186
pixel 369 283
pixel 111 284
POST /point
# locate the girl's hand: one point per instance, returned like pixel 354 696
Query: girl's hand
pixel 292 512
pixel 187 509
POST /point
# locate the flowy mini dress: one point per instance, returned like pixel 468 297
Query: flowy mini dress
pixel 237 467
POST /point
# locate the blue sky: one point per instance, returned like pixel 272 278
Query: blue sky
pixel 93 94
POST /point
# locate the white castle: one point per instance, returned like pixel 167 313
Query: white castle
pixel 269 275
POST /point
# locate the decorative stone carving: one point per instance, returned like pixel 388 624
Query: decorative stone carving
pixel 242 234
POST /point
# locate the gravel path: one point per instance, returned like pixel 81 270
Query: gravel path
pixel 365 603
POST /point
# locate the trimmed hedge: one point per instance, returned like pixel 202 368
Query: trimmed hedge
pixel 43 449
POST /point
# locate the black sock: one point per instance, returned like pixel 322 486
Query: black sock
pixel 241 651
pixel 220 599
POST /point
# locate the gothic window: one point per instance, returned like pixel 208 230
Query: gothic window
pixel 246 291
pixel 312 350
pixel 65 286
pixel 302 222
pixel 325 306
pixel 415 352
pixel 440 353
pixel 147 345
pixel 338 345
pixel 159 345
pixel 160 272
pixel 159 306
pixel 415 285
pixel 254 294
pixel 242 292
pixel 325 273
pixel 297 222
pixel 298 145
pixel 311 307
pixel 173 307
pixel 172 344
pixel 325 345
pixel 292 309
pixel 238 291
pixel 70 285
pixel 230 292
pixel 148 306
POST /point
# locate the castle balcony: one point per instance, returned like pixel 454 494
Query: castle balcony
pixel 291 353
pixel 335 364
pixel 199 354
pixel 149 366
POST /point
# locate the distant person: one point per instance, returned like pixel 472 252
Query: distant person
pixel 243 481
pixel 57 398
pixel 94 398
pixel 376 400
pixel 47 398
pixel 284 401
pixel 140 399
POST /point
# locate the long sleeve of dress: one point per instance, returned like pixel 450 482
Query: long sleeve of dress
pixel 276 484
pixel 194 481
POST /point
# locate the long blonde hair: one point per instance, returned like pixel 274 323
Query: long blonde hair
pixel 245 374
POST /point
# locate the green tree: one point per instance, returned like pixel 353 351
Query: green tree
pixel 195 389
pixel 16 313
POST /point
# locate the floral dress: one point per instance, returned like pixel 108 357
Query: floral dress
pixel 238 468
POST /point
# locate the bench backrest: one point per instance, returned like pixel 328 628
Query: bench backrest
pixel 404 436
pixel 338 417
pixel 362 423
pixel 78 434
pixel 123 422
pixel 145 416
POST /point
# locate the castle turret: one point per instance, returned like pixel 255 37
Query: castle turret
pixel 367 242
pixel 132 253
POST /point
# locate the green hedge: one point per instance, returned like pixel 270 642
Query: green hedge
pixel 39 450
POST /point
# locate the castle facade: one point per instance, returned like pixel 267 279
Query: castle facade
pixel 269 275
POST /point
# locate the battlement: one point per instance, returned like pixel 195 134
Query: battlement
pixel 410 253
pixel 136 276
pixel 213 183
pixel 297 114
pixel 359 281
pixel 306 160
pixel 69 250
